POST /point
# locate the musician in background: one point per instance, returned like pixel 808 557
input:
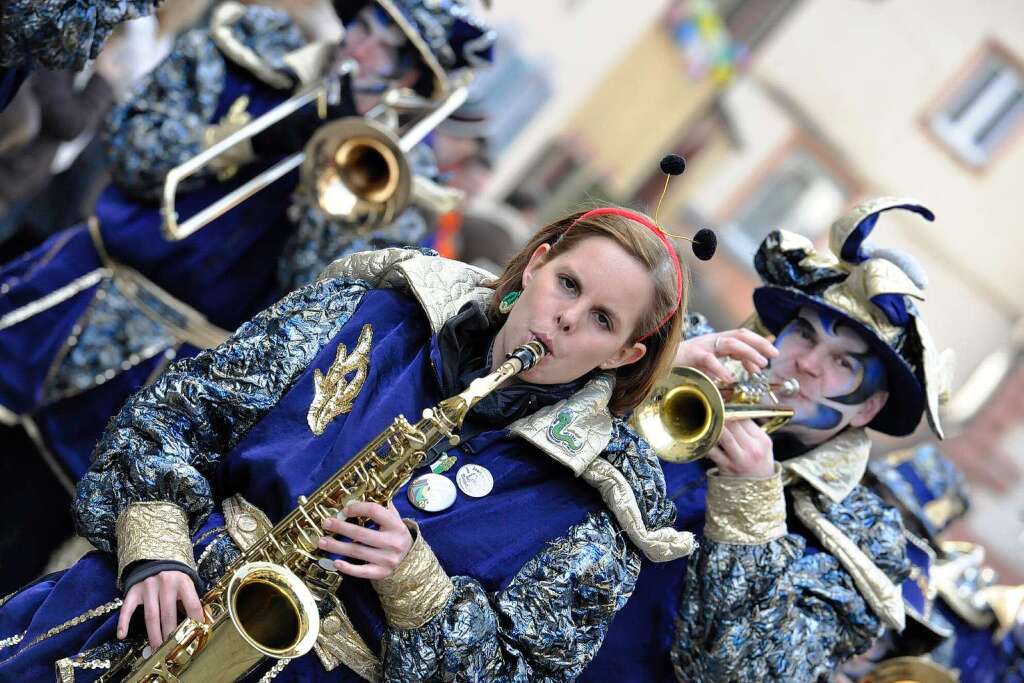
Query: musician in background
pixel 512 571
pixel 100 309
pixel 799 566
pixel 961 624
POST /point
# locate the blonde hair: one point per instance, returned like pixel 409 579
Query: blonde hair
pixel 634 381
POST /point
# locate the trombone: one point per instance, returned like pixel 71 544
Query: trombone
pixel 367 176
pixel 683 416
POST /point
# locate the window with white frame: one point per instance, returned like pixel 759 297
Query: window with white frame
pixel 799 194
pixel 980 114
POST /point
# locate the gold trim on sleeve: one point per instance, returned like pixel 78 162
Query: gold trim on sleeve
pixel 418 590
pixel 152 530
pixel 340 643
pixel 744 510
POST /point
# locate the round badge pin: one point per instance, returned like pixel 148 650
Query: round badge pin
pixel 432 492
pixel 474 480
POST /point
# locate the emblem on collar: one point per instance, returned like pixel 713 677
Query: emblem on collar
pixel 560 434
pixel 333 394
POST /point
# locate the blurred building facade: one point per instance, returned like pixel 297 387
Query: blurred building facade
pixel 789 111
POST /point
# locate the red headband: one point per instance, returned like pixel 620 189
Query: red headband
pixel 642 220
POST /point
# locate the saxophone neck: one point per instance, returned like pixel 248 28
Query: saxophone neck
pixel 519 360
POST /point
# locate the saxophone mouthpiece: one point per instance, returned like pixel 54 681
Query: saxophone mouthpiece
pixel 528 355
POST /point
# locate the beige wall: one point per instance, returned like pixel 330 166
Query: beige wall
pixel 866 72
pixel 576 42
pixel 634 115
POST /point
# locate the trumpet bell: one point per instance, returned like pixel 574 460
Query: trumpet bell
pixel 358 171
pixel 683 416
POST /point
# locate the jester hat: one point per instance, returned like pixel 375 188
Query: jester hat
pixel 873 290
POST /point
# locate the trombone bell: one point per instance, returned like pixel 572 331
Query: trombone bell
pixel 683 417
pixel 358 171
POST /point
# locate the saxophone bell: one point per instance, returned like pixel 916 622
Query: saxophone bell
pixel 265 611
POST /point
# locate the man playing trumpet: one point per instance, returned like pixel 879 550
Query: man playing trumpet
pixel 799 566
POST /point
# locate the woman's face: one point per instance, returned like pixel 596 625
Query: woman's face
pixel 583 305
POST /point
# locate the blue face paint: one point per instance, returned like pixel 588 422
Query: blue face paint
pixel 872 380
pixel 868 370
pixel 823 418
pixel 830 320
pixel 786 332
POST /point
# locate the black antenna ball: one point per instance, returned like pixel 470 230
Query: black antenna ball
pixel 705 242
pixel 673 164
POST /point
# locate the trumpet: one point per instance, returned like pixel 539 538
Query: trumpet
pixel 683 416
pixel 356 166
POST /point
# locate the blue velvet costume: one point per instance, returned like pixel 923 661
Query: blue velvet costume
pixel 538 567
pixel 778 611
pixel 97 311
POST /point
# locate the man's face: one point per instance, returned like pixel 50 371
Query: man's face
pixel 842 383
pixel 376 43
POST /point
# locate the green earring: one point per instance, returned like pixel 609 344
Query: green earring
pixel 508 301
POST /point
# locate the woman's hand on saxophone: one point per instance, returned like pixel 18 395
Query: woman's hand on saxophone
pixel 381 549
pixel 703 353
pixel 159 595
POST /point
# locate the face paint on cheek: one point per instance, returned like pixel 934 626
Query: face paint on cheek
pixel 871 379
pixel 823 418
pixel 784 334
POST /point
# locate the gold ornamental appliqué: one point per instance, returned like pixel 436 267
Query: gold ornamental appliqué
pixel 333 393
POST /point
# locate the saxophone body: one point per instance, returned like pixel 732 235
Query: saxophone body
pixel 265 604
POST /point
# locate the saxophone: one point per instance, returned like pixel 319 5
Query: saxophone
pixel 265 604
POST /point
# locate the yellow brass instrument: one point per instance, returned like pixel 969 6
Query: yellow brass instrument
pixel 264 606
pixel 683 416
pixel 911 670
pixel 368 179
pixel 357 168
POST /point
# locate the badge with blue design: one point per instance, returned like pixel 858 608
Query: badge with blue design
pixel 431 492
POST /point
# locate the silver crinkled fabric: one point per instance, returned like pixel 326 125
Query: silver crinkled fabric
pixel 61 34
pixel 545 626
pixel 634 457
pixel 167 440
pixel 773 613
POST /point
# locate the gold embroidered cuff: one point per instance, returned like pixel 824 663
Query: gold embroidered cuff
pixel 418 590
pixel 745 511
pixel 152 531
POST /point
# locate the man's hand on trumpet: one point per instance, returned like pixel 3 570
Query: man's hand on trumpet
pixel 744 450
pixel 290 134
pixel 704 352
